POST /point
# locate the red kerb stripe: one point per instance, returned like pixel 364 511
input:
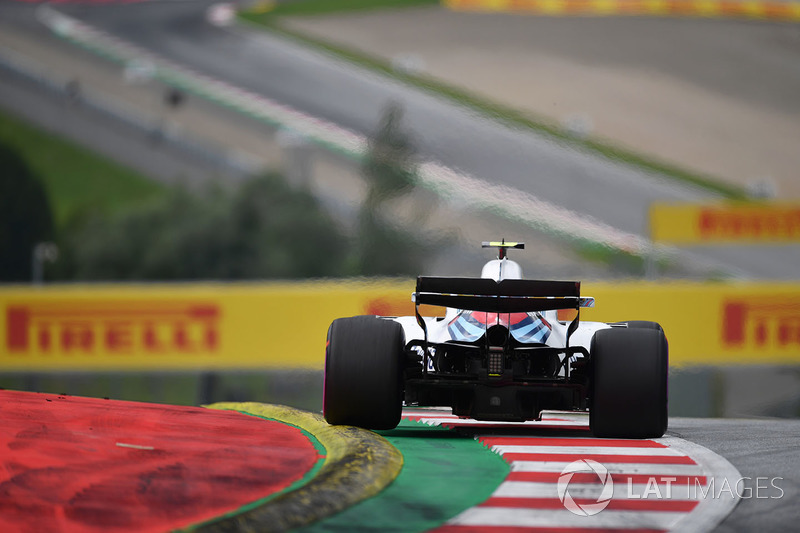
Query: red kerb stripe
pixel 678 506
pixel 585 477
pixel 451 528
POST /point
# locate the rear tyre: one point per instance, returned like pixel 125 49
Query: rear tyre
pixel 629 382
pixel 363 373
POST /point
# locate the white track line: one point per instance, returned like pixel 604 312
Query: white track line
pixel 476 423
pixel 503 516
pixel 647 469
pixel 710 511
pixel 587 450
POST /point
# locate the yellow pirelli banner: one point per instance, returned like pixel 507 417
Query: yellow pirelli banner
pixel 759 9
pixel 734 223
pixel 710 323
pixel 256 326
pixel 191 326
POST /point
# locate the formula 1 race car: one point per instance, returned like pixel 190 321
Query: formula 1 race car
pixel 500 353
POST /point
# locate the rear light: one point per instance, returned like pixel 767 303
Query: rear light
pixel 496 363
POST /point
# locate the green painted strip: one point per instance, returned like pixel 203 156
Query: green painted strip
pixel 443 474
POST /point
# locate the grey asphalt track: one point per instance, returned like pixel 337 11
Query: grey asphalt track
pixel 762 450
pixel 349 96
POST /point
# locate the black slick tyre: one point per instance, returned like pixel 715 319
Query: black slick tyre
pixel 364 373
pixel 628 389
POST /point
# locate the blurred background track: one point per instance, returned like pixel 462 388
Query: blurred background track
pixel 591 186
pixel 651 81
pixel 719 97
pixel 124 112
pixel 590 71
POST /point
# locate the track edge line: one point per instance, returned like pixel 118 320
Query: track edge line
pixel 712 510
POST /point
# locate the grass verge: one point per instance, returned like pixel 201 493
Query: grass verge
pixel 75 178
pixel 270 19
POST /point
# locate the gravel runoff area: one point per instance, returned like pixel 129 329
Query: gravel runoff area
pixel 717 97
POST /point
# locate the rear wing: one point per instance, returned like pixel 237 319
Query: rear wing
pixel 505 296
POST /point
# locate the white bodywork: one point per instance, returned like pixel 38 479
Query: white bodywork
pixel 499 269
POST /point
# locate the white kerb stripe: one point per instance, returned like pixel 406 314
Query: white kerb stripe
pixel 654 469
pixel 561 518
pixel 622 491
pixel 430 414
pixel 585 450
pixel 530 423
